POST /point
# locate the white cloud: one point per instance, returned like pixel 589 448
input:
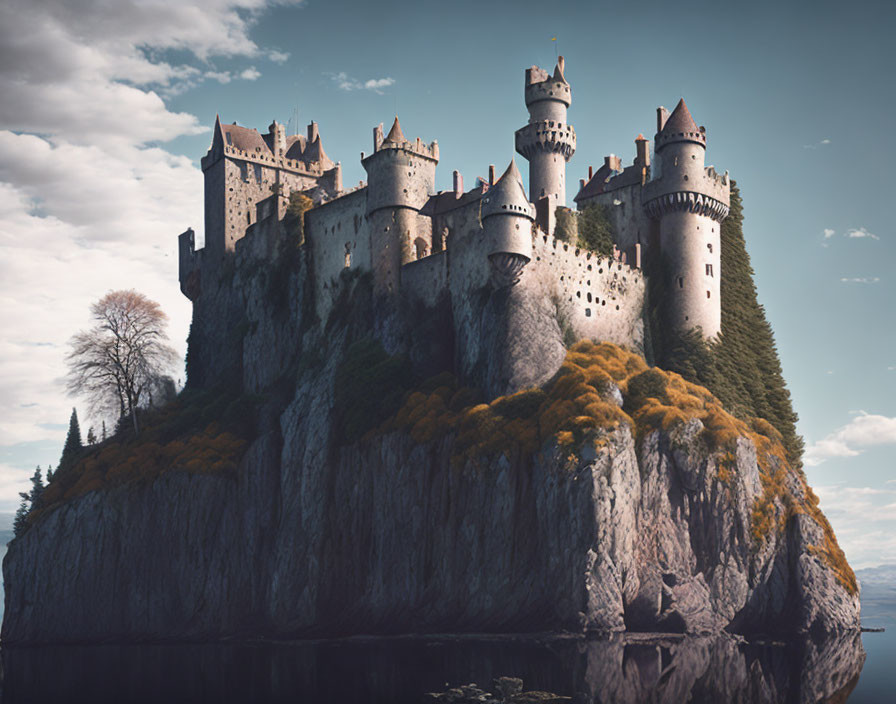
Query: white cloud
pixel 250 74
pixel 219 76
pixel 861 233
pixel 864 521
pixel 862 432
pixel 820 143
pixel 347 83
pixel 861 280
pixel 278 57
pixel 828 233
pixel 89 202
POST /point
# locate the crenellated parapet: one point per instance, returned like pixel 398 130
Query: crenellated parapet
pixel 687 202
pixel 546 136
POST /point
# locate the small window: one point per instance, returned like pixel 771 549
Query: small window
pixel 680 282
pixel 709 269
pixel 709 247
pixel 708 294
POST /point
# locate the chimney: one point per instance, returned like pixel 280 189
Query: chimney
pixel 581 183
pixel 312 132
pixel 458 184
pixel 642 153
pixel 661 116
pixel 590 172
pixel 613 162
pixel 377 137
pixel 491 174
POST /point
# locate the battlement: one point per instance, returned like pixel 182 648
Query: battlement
pixel 541 86
pixel 397 141
pixel 546 135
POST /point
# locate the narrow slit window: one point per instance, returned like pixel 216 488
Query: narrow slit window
pixel 709 269
pixel 680 282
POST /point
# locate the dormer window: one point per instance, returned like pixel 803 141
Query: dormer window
pixel 229 139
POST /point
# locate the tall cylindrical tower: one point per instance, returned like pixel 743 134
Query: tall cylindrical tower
pixel 548 141
pixel 690 201
pixel 400 179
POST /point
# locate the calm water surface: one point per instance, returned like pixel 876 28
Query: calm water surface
pixel 400 671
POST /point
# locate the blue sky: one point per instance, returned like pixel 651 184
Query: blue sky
pixel 108 107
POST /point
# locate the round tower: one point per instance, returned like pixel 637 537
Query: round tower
pixel 506 216
pixel 548 141
pixel 400 179
pixel 690 201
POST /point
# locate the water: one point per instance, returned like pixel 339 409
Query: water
pixel 400 671
pixel 632 670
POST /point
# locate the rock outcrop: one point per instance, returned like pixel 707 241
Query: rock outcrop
pixel 618 526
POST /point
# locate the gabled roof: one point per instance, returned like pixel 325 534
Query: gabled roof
pixel 507 196
pixel 314 152
pixel 243 138
pixel 295 146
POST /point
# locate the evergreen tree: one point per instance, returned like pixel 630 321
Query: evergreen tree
pixel 73 445
pixel 37 488
pixel 91 436
pixel 18 523
pixel 49 473
pixel 104 431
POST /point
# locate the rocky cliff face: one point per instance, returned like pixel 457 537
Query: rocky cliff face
pixel 386 535
pixel 602 524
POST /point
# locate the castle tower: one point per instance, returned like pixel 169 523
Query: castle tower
pixel 506 216
pixel 400 179
pixel 690 201
pixel 548 141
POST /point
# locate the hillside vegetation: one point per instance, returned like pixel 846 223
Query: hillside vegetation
pixel 742 368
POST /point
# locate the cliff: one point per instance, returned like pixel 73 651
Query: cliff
pixel 335 489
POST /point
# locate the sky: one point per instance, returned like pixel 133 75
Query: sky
pixel 108 106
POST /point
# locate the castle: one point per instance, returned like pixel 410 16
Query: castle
pixel 444 248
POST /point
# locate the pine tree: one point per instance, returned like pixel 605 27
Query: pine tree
pixel 73 445
pixel 18 523
pixel 49 473
pixel 37 488
pixel 104 431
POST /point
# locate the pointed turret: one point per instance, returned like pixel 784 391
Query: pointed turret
pixel 558 70
pixel 395 134
pixel 507 196
pixel 508 237
pixel 680 127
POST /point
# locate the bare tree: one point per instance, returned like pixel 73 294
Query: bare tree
pixel 118 363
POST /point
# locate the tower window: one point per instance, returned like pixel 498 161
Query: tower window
pixel 709 269
pixel 709 247
pixel 708 294
pixel 680 282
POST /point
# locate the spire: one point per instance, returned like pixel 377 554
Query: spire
pixel 680 120
pixel 218 132
pixel 680 127
pixel 395 135
pixel 507 196
pixel 559 68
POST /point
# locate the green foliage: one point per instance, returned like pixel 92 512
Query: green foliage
pixel 201 432
pixel 370 385
pixel 595 230
pixel 73 445
pixel 566 227
pixel 742 367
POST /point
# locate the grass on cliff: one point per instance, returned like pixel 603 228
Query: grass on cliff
pixel 577 405
pixel 200 433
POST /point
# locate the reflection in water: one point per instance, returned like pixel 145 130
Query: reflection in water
pixel 634 669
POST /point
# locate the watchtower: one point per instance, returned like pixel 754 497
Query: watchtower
pixel 548 141
pixel 690 201
pixel 400 179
